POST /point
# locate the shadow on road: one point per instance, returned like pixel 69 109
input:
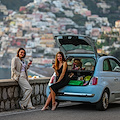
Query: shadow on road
pixel 114 105
pixel 86 106
pixel 77 106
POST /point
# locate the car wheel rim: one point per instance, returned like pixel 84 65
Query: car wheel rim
pixel 105 100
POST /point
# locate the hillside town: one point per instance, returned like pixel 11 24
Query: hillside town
pixel 34 26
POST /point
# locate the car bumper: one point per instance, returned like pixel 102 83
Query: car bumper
pixel 89 93
pixel 75 94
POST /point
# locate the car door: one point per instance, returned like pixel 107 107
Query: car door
pixel 111 76
pixel 115 71
pixel 108 76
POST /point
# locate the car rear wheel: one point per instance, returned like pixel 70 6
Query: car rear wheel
pixel 104 101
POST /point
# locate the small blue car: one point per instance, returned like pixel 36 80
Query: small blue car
pixel 97 80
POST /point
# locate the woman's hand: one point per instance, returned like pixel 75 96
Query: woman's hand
pixel 29 63
pixel 53 66
pixel 77 68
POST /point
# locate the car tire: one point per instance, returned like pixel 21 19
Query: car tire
pixel 104 101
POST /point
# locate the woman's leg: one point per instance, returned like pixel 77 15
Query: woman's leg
pixel 52 95
pixel 47 102
pixel 54 103
pixel 27 91
pixel 30 106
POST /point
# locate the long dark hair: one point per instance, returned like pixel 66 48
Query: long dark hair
pixel 56 60
pixel 19 51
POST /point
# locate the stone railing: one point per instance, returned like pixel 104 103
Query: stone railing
pixel 10 93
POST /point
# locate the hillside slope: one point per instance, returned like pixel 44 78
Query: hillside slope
pixel 15 4
pixel 113 13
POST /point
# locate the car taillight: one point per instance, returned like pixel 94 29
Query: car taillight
pixel 94 80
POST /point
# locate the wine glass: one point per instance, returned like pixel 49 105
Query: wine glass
pixel 30 60
pixel 53 62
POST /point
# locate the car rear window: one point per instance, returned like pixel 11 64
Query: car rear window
pixel 69 47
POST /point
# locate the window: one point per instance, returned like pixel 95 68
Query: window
pixel 69 47
pixel 114 65
pixel 106 65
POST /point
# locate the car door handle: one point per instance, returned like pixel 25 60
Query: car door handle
pixel 115 79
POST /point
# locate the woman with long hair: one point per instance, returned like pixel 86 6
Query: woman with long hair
pixel 60 68
pixel 19 74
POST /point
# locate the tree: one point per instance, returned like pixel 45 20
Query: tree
pixel 15 4
pixel 79 19
pixel 116 53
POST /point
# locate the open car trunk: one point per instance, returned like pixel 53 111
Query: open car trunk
pixel 80 74
pixel 80 77
pixel 82 48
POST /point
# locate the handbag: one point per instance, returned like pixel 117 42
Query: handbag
pixel 53 78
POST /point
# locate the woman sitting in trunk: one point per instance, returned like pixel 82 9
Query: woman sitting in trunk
pixel 77 64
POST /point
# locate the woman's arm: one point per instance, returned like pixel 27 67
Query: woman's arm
pixel 28 65
pixel 13 67
pixel 53 66
pixel 63 71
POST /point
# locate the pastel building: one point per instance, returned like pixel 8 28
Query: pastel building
pixel 37 1
pixel 117 23
pixel 40 1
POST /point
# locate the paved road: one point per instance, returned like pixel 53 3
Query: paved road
pixel 65 111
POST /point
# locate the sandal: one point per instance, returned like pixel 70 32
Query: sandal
pixel 21 106
pixel 44 108
pixel 54 106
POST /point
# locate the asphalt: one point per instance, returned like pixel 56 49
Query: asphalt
pixel 65 111
pixel 19 111
pixel 38 108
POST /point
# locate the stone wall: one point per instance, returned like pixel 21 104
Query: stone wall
pixel 10 93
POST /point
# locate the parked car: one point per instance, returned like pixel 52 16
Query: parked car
pixel 99 79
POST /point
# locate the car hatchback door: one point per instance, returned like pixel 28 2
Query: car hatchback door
pixel 76 44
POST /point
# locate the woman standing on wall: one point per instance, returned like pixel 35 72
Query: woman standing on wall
pixel 19 74
pixel 60 67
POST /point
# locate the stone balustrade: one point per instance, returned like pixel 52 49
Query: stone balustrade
pixel 10 93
